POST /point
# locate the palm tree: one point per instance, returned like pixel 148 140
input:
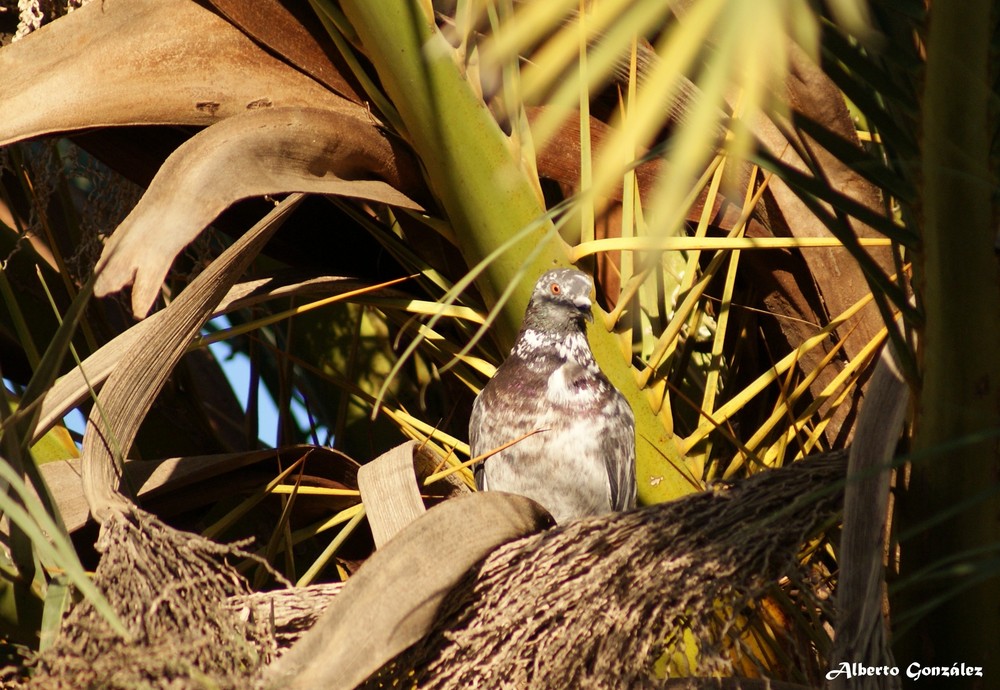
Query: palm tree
pixel 714 185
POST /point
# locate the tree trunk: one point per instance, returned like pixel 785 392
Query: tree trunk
pixel 951 519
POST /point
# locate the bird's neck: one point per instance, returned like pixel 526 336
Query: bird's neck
pixel 568 346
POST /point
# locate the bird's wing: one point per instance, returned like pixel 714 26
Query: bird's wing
pixel 476 440
pixel 618 448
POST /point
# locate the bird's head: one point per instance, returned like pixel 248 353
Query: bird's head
pixel 560 301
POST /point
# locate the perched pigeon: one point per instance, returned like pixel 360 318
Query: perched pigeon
pixel 583 460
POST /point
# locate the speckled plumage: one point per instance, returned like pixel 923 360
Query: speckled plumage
pixel 583 463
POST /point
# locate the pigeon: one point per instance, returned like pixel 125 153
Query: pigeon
pixel 582 460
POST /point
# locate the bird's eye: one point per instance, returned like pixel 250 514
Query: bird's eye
pixel 555 288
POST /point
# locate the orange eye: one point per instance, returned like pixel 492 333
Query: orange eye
pixel 555 288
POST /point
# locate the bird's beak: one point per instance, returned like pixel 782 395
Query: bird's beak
pixel 584 305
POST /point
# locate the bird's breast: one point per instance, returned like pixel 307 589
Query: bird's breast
pixel 571 385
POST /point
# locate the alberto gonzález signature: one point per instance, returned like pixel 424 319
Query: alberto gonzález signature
pixel 914 671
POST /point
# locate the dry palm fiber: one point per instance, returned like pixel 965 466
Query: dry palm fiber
pixel 170 589
pixel 592 603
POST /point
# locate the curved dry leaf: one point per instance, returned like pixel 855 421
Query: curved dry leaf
pixel 254 154
pixel 140 62
pixel 390 492
pixel 393 599
pixel 391 488
pixel 293 31
pixel 861 630
pixel 132 387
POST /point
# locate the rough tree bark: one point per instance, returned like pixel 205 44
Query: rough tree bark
pixel 591 604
